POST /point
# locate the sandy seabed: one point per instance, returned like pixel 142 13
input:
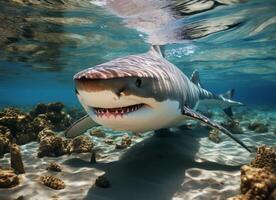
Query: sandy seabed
pixel 181 164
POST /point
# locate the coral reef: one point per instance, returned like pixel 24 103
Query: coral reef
pixel 51 146
pixel 97 133
pixel 102 182
pixel 16 159
pixel 233 126
pixel 45 133
pixel 54 167
pixel 52 182
pixel 125 142
pixel 265 158
pixel 258 179
pixel 80 144
pixel 256 184
pixel 8 178
pixel 5 140
pixel 258 127
pixel 109 140
pixel 214 136
pixel 25 127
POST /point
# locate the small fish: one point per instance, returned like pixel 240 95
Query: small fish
pixel 141 93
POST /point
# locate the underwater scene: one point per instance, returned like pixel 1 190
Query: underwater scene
pixel 138 99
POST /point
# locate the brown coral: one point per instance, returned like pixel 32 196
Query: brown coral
pixel 54 167
pixel 258 127
pixel 80 144
pixel 5 140
pixel 102 182
pixel 51 146
pixel 265 158
pixel 8 179
pixel 258 180
pixel 97 132
pixel 52 182
pixel 16 159
pixel 256 183
pixel 25 127
pixel 45 133
pixel 233 126
pixel 214 136
pixel 125 142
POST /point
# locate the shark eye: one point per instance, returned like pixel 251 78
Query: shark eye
pixel 138 82
pixel 76 91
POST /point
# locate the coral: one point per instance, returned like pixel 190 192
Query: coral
pixel 40 108
pixel 5 140
pixel 55 107
pixel 233 126
pixel 54 167
pixel 45 133
pixel 51 146
pixel 16 159
pixel 102 182
pixel 54 114
pixel 257 183
pixel 80 144
pixel 52 182
pixel 265 158
pixel 18 123
pixel 41 122
pixel 258 180
pixel 8 179
pixel 109 141
pixel 97 132
pixel 25 127
pixel 214 136
pixel 258 127
pixel 125 142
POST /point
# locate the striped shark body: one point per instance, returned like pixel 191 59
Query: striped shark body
pixel 142 93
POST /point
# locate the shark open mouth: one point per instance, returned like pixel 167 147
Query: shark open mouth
pixel 120 111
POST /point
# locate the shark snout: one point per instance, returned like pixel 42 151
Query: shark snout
pixel 106 72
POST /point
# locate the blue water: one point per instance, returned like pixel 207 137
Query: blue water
pixel 43 45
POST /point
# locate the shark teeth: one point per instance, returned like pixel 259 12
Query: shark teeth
pixel 120 111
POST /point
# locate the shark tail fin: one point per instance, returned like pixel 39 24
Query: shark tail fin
pixel 158 50
pixel 195 78
pixel 228 95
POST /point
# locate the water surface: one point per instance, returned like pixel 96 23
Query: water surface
pixel 44 43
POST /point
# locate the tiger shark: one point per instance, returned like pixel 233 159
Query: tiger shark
pixel 141 93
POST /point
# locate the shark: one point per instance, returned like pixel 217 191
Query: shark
pixel 144 92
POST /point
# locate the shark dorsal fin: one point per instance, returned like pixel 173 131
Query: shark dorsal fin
pixel 229 94
pixel 157 50
pixel 195 78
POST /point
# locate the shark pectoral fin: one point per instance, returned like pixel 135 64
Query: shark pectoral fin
pixel 80 126
pixel 199 117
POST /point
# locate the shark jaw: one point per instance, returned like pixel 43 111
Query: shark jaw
pixel 130 112
pixel 116 112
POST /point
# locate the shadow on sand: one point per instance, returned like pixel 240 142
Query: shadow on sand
pixel 152 169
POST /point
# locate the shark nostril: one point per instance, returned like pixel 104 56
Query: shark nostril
pixel 119 92
pixel 138 82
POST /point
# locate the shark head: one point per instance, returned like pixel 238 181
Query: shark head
pixel 130 93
